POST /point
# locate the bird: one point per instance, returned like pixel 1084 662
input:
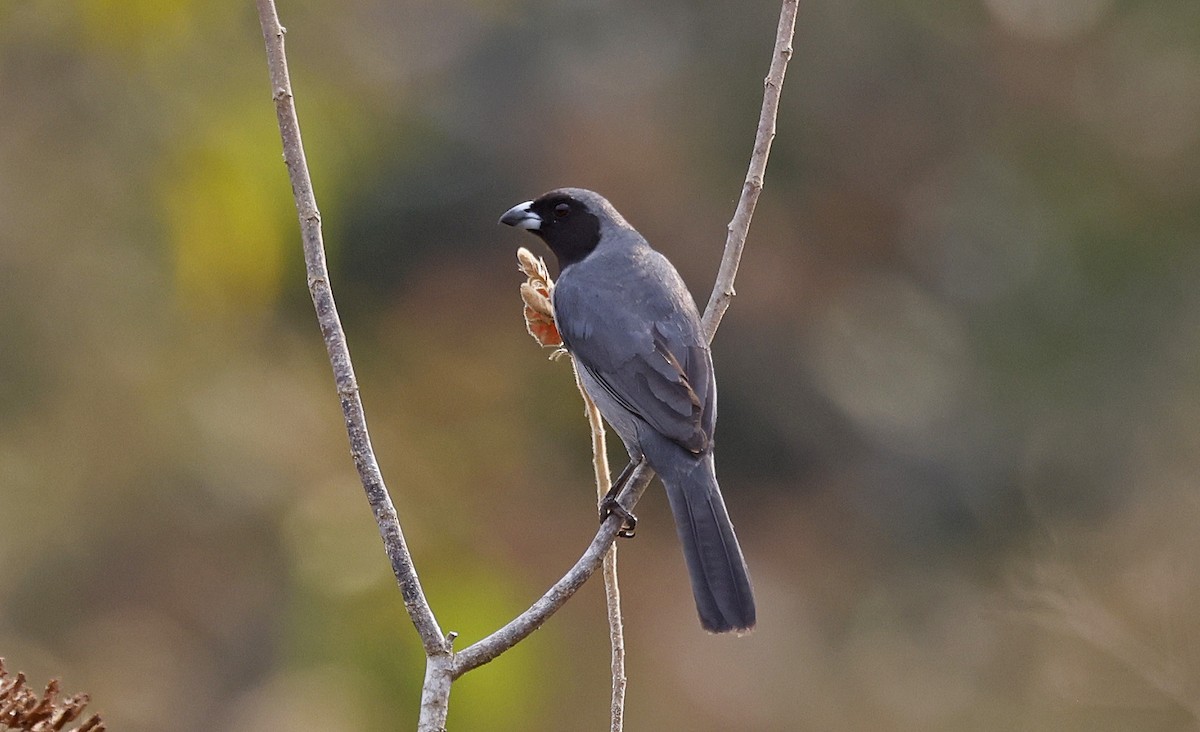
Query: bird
pixel 632 327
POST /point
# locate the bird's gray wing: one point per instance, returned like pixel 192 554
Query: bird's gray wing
pixel 647 366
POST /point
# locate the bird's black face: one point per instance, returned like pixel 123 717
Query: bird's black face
pixel 566 224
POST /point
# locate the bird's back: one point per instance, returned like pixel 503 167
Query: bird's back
pixel 626 315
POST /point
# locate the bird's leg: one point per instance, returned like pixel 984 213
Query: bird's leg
pixel 609 505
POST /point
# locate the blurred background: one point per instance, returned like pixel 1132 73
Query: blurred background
pixel 959 384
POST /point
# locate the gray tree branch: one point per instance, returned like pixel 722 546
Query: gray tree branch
pixel 739 226
pixel 335 339
pixel 521 626
pixel 530 620
pixel 612 588
pixel 616 638
pixel 443 666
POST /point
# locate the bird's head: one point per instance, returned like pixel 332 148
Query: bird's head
pixel 570 220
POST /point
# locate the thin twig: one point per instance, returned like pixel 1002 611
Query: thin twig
pixel 739 226
pixel 616 637
pixel 335 339
pixel 612 590
pixel 492 646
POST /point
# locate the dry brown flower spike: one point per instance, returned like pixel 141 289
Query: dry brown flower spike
pixel 539 311
pixel 22 708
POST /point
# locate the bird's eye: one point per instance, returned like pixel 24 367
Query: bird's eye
pixel 561 210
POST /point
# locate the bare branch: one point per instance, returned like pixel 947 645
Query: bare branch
pixel 739 226
pixel 443 666
pixel 335 339
pixel 612 590
pixel 616 637
pixel 435 692
pixel 530 620
pixel 520 627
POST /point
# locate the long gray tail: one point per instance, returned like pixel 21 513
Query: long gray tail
pixel 720 580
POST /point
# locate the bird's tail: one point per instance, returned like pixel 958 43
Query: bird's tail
pixel 720 580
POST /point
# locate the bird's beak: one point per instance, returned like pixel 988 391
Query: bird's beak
pixel 522 217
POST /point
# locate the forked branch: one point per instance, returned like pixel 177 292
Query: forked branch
pixel 511 634
pixel 444 665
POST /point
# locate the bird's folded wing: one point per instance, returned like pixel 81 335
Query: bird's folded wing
pixel 654 378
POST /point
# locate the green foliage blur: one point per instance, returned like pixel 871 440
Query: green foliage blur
pixel 959 383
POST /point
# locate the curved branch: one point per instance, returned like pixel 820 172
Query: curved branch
pixel 437 645
pixel 335 340
pixel 492 646
pixel 520 627
pixel 739 226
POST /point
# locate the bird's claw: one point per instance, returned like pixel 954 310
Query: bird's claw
pixel 613 507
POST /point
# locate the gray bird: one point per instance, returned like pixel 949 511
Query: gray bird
pixel 626 317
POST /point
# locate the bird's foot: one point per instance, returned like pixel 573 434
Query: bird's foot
pixel 611 507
